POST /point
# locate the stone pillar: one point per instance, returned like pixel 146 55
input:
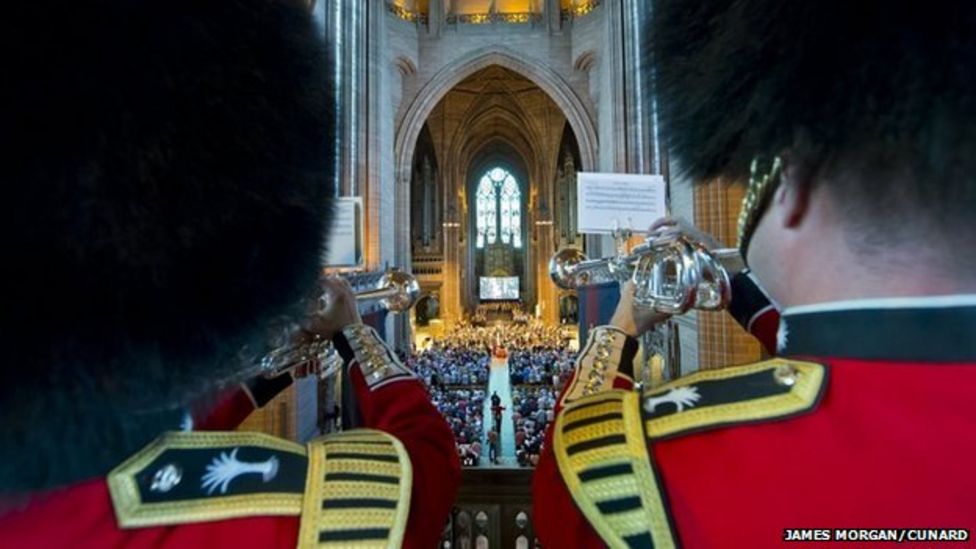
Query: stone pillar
pixel 451 293
pixel 553 14
pixel 641 116
pixel 435 17
pixel 345 26
pixel 548 294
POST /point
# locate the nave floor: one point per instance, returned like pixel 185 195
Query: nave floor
pixel 500 381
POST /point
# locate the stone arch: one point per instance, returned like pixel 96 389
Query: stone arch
pixel 585 61
pixel 454 73
pixel 451 75
pixel 405 65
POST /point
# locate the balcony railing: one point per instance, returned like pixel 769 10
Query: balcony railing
pixel 493 509
pixel 427 265
pixel 490 18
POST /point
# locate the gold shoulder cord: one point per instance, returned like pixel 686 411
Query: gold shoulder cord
pixel 602 455
pixel 357 493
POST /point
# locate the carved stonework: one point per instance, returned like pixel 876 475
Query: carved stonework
pixel 566 195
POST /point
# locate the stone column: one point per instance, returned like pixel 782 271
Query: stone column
pixel 345 26
pixel 641 108
pixel 552 12
pixel 435 17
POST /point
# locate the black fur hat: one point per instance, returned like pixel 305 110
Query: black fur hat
pixel 876 97
pixel 166 194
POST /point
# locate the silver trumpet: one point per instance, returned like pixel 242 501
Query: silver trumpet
pixel 396 292
pixel 672 272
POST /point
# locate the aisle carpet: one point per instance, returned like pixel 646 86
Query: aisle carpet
pixel 498 380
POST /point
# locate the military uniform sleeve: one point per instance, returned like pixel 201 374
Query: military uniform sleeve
pixel 556 519
pixel 393 400
pixel 753 309
pixel 605 363
pixel 231 407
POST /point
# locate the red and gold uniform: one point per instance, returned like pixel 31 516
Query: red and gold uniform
pixel 391 483
pixel 864 420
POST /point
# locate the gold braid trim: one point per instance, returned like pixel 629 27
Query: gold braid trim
pixel 357 493
pixel 132 512
pixel 761 187
pixel 602 456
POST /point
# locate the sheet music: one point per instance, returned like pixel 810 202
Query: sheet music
pixel 608 201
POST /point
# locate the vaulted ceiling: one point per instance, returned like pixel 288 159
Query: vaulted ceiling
pixel 496 107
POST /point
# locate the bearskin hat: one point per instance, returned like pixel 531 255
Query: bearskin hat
pixel 167 192
pixel 877 98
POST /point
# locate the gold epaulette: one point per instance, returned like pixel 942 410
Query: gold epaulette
pixel 358 491
pixel 774 389
pixel 601 441
pixel 351 489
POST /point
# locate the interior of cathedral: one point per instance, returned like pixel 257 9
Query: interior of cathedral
pixel 463 125
pixel 487 273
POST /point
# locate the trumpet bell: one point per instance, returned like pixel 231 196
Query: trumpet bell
pixel 714 291
pixel 407 291
pixel 562 269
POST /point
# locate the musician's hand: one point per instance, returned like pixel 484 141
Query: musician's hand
pixel 632 320
pixel 668 225
pixel 335 311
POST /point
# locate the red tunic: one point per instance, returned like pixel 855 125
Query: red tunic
pixel 82 515
pixel 888 446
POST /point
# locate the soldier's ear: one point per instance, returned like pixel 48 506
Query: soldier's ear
pixel 791 201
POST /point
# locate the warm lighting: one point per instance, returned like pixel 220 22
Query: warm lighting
pixel 543 223
pixel 451 225
pixel 402 12
pixel 581 7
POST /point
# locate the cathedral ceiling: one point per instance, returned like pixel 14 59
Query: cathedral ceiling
pixel 493 107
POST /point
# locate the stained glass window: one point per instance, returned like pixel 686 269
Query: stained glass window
pixel 499 209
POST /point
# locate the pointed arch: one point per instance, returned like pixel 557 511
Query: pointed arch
pixel 452 74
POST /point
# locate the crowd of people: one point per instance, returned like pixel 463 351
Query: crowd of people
pixel 464 410
pixel 541 366
pixel 456 376
pixel 466 335
pixel 533 411
pixel 496 307
pixel 454 365
pixel 538 335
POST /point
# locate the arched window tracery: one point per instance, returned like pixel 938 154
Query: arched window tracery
pixel 499 209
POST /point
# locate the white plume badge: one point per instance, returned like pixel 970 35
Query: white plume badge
pixel 226 467
pixel 681 397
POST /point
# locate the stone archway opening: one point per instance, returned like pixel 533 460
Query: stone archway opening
pixel 494 119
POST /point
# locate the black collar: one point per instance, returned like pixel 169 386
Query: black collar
pixel 938 329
